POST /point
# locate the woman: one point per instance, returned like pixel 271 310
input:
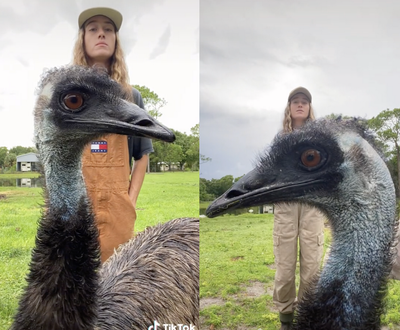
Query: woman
pixel 106 162
pixel 293 223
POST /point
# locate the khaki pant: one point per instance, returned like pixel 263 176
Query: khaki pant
pixel 293 223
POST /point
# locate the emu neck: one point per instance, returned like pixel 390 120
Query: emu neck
pixel 62 281
pixel 350 290
pixel 64 181
pixel 359 261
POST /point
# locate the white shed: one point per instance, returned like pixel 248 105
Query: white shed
pixel 27 162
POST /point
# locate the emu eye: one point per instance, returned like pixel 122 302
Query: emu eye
pixel 311 158
pixel 73 101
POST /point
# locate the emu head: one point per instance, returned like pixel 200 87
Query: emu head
pixel 326 163
pixel 78 104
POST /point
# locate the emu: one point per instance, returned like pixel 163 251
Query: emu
pixel 333 165
pixel 153 277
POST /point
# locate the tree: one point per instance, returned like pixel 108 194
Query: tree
pixel 194 149
pixel 195 130
pixel 185 149
pixel 3 154
pixel 216 187
pixel 203 194
pixel 204 159
pixel 173 154
pixel 19 150
pixel 387 127
pixel 159 152
pixel 189 150
pixel 183 140
pixel 190 147
pixel 211 189
pixel 334 116
pixel 152 102
pixel 165 152
pixel 10 160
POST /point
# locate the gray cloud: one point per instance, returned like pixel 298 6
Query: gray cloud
pixel 162 44
pixel 37 17
pixel 40 17
pixel 308 61
pixel 23 61
pixel 253 53
pixel 233 139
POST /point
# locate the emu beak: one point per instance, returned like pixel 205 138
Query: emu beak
pixel 257 189
pixel 124 118
pixel 245 192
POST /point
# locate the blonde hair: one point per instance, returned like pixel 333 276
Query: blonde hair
pixel 287 120
pixel 118 68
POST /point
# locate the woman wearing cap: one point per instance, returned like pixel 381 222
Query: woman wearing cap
pixel 295 223
pixel 106 162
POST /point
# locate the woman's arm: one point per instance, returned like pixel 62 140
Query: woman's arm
pixel 137 177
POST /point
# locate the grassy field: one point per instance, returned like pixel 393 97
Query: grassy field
pixel 164 196
pixel 237 275
pixel 19 175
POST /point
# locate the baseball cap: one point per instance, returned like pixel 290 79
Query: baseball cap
pixel 112 14
pixel 299 90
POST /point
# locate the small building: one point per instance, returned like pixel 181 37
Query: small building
pixel 27 162
pixel 165 167
pixel 267 208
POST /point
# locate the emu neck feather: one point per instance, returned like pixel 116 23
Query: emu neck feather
pixel 350 290
pixel 63 279
pixel 65 184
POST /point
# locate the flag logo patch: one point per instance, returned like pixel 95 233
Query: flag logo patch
pixel 98 146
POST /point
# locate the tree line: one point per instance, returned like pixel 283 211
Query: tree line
pixel 182 154
pixel 179 155
pixel 211 189
pixel 386 125
pixel 386 128
pixel 8 157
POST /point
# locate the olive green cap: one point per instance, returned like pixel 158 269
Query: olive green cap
pixel 300 90
pixel 112 14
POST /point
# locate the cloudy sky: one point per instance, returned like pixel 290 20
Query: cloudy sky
pixel 253 53
pixel 160 39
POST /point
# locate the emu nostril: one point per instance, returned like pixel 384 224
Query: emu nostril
pixel 145 123
pixel 235 193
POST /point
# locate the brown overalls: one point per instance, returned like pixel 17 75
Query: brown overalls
pixel 105 166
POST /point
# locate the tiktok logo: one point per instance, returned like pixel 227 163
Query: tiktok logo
pixel 154 326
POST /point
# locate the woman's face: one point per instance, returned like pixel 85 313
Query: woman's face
pixel 99 40
pixel 299 108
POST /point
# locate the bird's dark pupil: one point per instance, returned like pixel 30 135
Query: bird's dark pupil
pixel 310 157
pixel 74 99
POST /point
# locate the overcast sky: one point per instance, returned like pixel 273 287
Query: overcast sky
pixel 253 53
pixel 160 39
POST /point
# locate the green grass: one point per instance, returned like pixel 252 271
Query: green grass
pixel 19 175
pixel 236 251
pixel 19 214
pixel 164 196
